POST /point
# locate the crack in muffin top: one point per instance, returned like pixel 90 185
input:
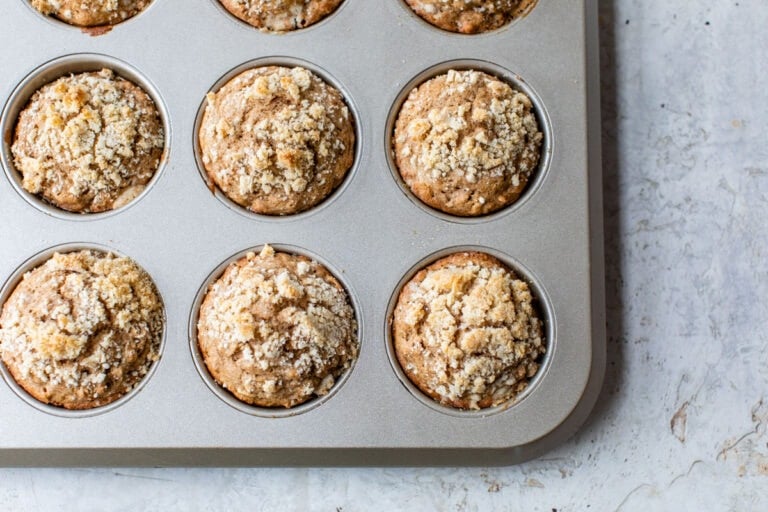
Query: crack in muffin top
pixel 281 15
pixel 470 16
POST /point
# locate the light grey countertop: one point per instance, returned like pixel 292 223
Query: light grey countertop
pixel 681 423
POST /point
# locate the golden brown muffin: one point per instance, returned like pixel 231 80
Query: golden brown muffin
pixel 470 16
pixel 82 329
pixel 277 140
pixel 466 331
pixel 91 13
pixel 88 142
pixel 277 329
pixel 466 143
pixel 280 15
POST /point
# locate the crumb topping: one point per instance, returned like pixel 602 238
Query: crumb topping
pixel 82 329
pixel 281 15
pixel 467 332
pixel 88 142
pixel 467 130
pixel 89 13
pixel 470 16
pixel 277 139
pixel 277 329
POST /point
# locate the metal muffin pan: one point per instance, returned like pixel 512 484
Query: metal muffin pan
pixel 371 233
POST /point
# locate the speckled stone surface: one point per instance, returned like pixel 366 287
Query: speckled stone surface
pixel 681 424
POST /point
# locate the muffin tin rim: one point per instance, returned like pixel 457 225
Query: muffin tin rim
pixel 227 397
pixel 54 69
pixel 9 286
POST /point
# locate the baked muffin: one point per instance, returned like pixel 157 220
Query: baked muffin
pixel 88 142
pixel 280 15
pixel 277 329
pixel 467 143
pixel 277 140
pixel 467 333
pixel 470 16
pixel 91 13
pixel 82 329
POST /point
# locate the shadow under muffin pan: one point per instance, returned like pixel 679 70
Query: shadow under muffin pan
pixel 370 234
pixel 517 84
pixel 8 288
pixel 290 63
pixel 49 72
pixel 228 397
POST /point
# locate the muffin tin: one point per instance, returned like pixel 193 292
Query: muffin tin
pixel 371 233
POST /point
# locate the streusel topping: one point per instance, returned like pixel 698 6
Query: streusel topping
pixel 277 329
pixel 470 16
pixel 467 331
pixel 90 13
pixel 277 140
pixel 88 142
pixel 281 15
pixel 466 142
pixel 82 329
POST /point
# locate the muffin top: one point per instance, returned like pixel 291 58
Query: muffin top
pixel 466 143
pixel 280 15
pixel 82 329
pixel 277 140
pixel 277 329
pixel 466 331
pixel 470 16
pixel 91 13
pixel 88 142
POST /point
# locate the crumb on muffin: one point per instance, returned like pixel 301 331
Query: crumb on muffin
pixel 277 329
pixel 88 142
pixel 467 332
pixel 82 329
pixel 277 140
pixel 467 143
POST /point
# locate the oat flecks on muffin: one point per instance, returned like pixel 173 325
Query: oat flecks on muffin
pixel 470 16
pixel 281 15
pixel 467 143
pixel 467 333
pixel 277 140
pixel 88 142
pixel 277 329
pixel 82 329
pixel 91 13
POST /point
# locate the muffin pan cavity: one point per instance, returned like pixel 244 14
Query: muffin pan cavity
pixel 46 74
pixel 7 291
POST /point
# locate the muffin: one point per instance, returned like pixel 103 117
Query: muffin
pixel 470 16
pixel 82 329
pixel 467 333
pixel 88 142
pixel 277 329
pixel 467 143
pixel 277 140
pixel 280 15
pixel 91 13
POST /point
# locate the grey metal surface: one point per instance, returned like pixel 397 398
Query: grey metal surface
pixel 370 233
